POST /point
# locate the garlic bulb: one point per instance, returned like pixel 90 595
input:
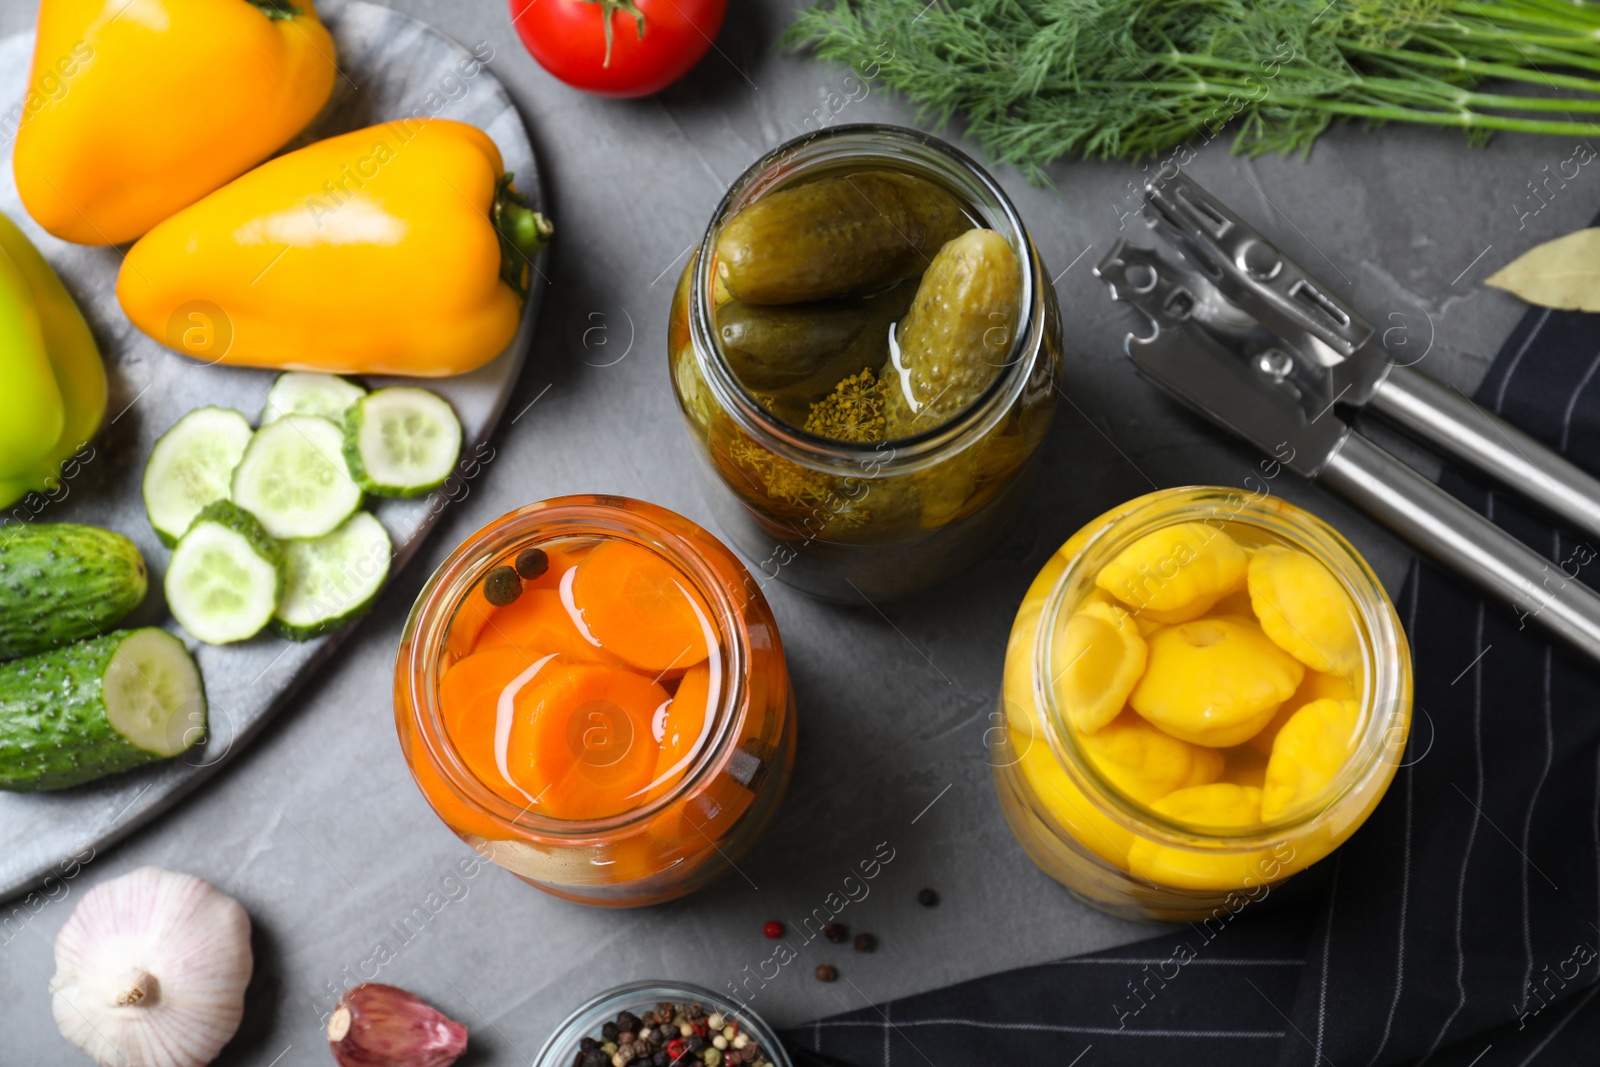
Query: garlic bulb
pixel 151 971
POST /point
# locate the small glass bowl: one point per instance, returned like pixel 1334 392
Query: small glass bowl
pixel 638 997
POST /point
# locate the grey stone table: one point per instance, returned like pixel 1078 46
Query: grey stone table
pixel 318 829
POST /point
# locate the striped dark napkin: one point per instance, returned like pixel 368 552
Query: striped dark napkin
pixel 1460 926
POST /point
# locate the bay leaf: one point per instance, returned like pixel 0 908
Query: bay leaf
pixel 1563 274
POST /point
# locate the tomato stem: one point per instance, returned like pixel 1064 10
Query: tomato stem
pixel 523 232
pixel 608 8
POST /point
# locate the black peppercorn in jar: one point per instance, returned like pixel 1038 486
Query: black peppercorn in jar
pixel 865 347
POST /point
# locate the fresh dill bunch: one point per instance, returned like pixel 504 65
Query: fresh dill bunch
pixel 1036 80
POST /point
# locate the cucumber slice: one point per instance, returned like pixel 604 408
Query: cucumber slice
pixel 329 580
pixel 306 393
pixel 401 441
pixel 87 710
pixel 226 575
pixel 153 693
pixel 294 479
pixel 190 466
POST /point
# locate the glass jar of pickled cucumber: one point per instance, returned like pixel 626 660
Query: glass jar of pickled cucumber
pixel 865 346
pixel 591 692
pixel 1205 692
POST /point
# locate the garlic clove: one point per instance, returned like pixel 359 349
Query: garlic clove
pixel 151 970
pixel 377 1025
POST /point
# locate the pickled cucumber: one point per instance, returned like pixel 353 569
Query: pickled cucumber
pixel 957 336
pixel 804 350
pixel 852 233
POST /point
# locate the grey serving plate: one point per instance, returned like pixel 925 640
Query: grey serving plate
pixel 390 65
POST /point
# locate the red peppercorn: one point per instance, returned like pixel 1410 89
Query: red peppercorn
pixel 773 930
pixel 700 1029
pixel 677 1047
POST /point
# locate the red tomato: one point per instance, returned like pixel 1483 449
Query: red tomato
pixel 569 39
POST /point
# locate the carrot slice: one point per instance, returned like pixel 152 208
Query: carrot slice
pixel 559 559
pixel 470 619
pixel 469 696
pixel 636 605
pixel 538 624
pixel 582 743
pixel 680 726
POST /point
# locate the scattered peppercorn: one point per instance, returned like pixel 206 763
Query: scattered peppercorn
pixel 532 562
pixel 773 930
pixel 826 972
pixel 928 898
pixel 501 586
pixel 671 1035
pixel 836 932
pixel 866 943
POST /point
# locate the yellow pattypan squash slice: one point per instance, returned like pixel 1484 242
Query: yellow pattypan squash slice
pixel 1307 755
pixel 1214 681
pixel 1304 609
pixel 1098 661
pixel 1055 791
pixel 1316 686
pixel 1016 688
pixel 1219 806
pixel 1175 574
pixel 1146 763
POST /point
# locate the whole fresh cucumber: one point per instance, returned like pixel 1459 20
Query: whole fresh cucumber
pixel 804 350
pixel 97 707
pixel 957 336
pixel 60 582
pixel 851 233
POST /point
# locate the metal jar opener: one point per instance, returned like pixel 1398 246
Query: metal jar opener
pixel 1248 339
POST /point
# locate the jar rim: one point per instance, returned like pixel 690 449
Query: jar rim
pixel 1386 679
pixel 424 640
pixel 587 1018
pixel 913 152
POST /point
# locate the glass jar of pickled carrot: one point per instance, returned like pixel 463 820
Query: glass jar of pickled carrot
pixel 591 692
pixel 883 515
pixel 1205 692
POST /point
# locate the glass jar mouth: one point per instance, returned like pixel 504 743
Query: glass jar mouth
pixel 887 147
pixel 1385 684
pixel 587 1019
pixel 424 643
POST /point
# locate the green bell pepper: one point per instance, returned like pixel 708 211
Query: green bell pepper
pixel 55 395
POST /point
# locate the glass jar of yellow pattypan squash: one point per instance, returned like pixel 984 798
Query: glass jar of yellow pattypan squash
pixel 1205 692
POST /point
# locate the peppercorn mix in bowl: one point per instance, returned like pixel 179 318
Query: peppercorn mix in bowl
pixel 591 692
pixel 662 1024
pixel 1205 692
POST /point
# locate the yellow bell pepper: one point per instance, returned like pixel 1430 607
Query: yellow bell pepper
pixel 1214 681
pixel 397 249
pixel 138 108
pixel 55 393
